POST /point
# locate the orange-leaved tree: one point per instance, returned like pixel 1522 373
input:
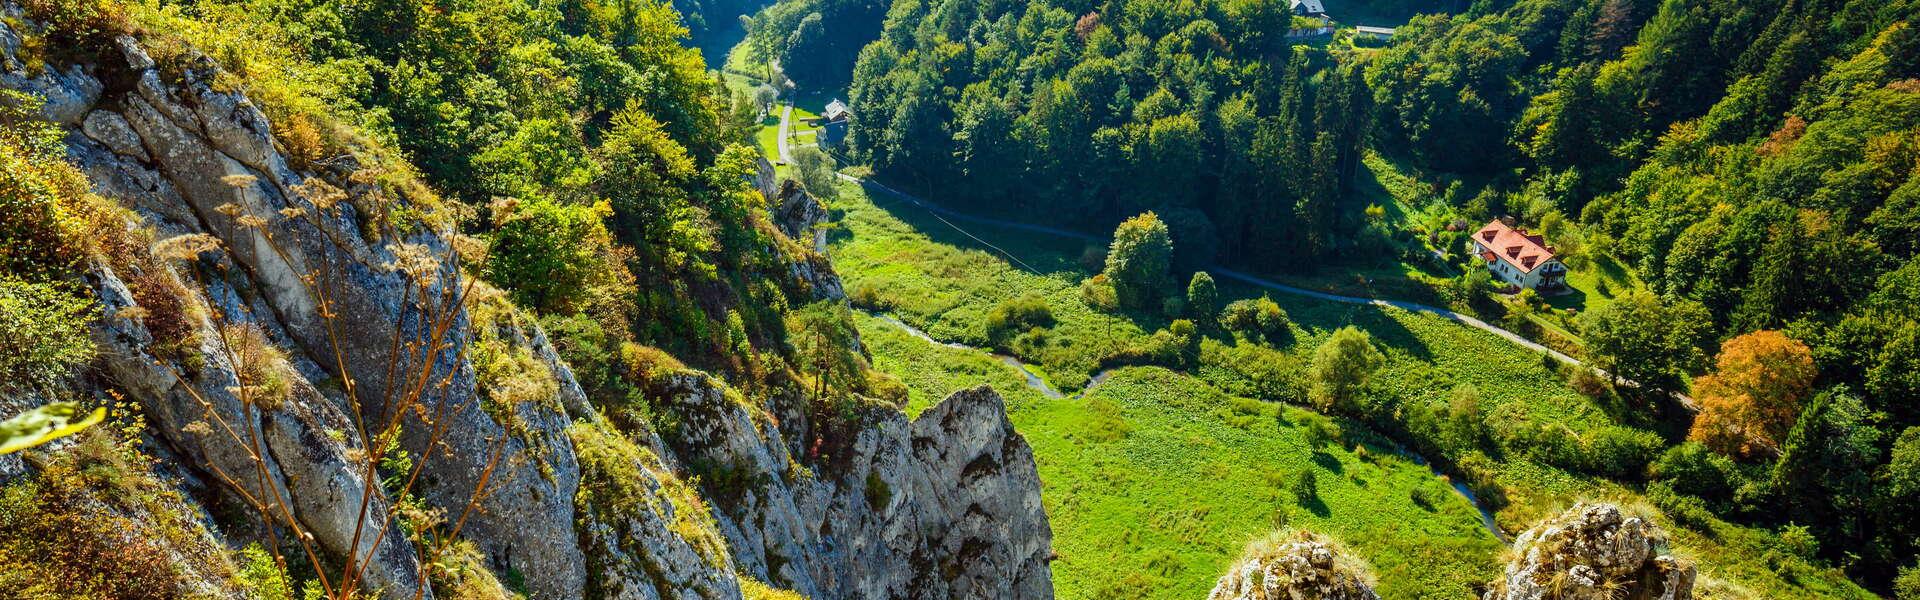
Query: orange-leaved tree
pixel 1749 403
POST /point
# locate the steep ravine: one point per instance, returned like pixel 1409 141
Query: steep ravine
pixel 945 506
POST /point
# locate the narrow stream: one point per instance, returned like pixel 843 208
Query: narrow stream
pixel 1034 381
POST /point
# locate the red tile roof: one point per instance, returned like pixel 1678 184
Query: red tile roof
pixel 1515 246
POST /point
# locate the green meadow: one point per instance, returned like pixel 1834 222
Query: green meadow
pixel 1154 479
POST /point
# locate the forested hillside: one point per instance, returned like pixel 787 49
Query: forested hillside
pixel 407 299
pixel 1755 159
pixel 1205 112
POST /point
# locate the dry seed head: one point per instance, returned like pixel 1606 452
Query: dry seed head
pixel 239 181
pixel 322 194
pixel 185 247
pixel 414 260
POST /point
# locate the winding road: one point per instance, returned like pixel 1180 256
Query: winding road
pixel 948 216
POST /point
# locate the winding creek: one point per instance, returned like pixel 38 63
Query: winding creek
pixel 1040 384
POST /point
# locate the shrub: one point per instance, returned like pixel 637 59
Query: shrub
pixel 1620 452
pixel 1258 318
pixel 886 387
pixel 261 366
pixel 867 296
pixel 43 333
pixel 1686 511
pixel 1173 307
pixel 1692 469
pixel 547 254
pixel 1341 367
pixel 1203 297
pixel 78 24
pixel 1798 541
pixel 1018 314
pixel 260 577
pixel 1588 383
pixel 878 492
pixel 1098 293
pixel 1907 586
pixel 43 234
pixel 58 540
pixel 640 364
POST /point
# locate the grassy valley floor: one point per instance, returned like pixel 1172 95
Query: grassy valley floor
pixel 1154 480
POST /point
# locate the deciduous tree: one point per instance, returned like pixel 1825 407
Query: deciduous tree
pixel 1137 263
pixel 1341 367
pixel 1641 338
pixel 1750 401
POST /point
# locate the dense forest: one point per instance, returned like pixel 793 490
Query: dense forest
pixel 1245 143
pixel 1756 160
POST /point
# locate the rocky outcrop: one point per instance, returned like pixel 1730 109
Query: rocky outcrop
pixel 1294 566
pixel 1594 552
pixel 945 506
pixel 190 158
pixel 800 216
pixel 307 260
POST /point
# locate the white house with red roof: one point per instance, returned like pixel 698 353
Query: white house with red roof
pixel 1520 258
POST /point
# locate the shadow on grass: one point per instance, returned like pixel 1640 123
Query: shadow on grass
pixel 1389 332
pixel 1328 462
pixel 1051 256
pixel 1317 506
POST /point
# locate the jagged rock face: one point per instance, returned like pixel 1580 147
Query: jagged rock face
pixel 795 211
pixel 945 506
pixel 960 514
pixel 799 215
pixel 1593 552
pixel 1306 568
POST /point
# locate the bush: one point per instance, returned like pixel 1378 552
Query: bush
pixel 262 368
pixel 1588 383
pixel 59 539
pixel 43 234
pixel 1620 452
pixel 879 494
pixel 1686 511
pixel 1257 318
pixel 1691 468
pixel 1016 315
pixel 1907 587
pixel 548 254
pixel 1341 367
pixel 867 296
pixel 1798 541
pixel 1203 297
pixel 43 333
pixel 1173 307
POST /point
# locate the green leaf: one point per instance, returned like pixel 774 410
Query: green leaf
pixel 44 424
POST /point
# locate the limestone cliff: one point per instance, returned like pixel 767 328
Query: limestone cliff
pixel 1594 552
pixel 240 247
